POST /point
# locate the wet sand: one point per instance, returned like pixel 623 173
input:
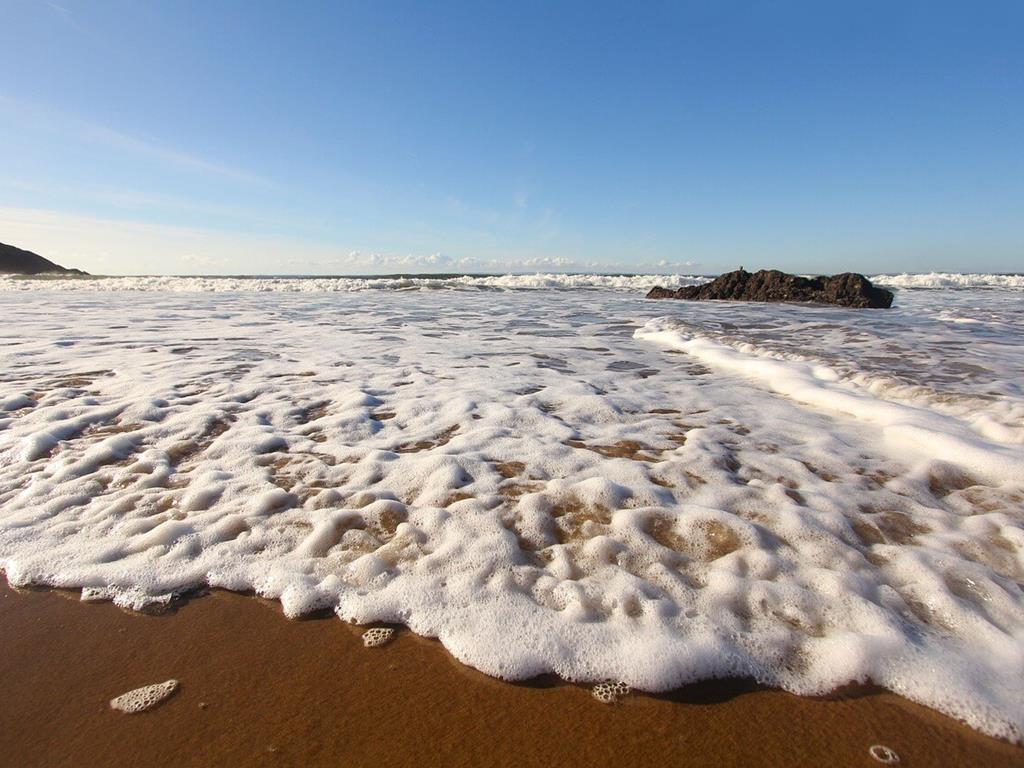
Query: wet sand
pixel 258 689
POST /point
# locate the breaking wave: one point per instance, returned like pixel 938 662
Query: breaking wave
pixel 347 284
pixel 950 280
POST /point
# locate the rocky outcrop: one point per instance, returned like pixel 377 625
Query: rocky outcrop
pixel 847 289
pixel 20 262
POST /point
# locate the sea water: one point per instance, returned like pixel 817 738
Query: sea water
pixel 547 473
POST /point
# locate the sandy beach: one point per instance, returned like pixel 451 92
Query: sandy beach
pixel 259 689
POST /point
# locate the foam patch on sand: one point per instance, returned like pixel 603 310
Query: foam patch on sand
pixel 609 693
pixel 378 636
pixel 142 699
pixel 519 475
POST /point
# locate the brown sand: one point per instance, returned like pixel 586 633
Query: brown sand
pixel 258 689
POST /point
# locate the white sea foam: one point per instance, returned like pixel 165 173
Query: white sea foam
pixel 901 412
pixel 538 281
pixel 950 280
pixel 142 699
pixel 517 282
pixel 378 636
pixel 578 482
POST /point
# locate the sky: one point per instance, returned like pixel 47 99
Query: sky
pixel 378 137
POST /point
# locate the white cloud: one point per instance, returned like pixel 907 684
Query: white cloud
pixel 665 264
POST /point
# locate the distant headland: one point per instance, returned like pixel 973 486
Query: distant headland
pixel 21 262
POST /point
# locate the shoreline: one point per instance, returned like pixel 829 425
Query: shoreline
pixel 260 689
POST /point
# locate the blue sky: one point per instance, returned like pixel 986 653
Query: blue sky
pixel 244 137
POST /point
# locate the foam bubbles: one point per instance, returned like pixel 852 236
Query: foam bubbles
pixel 907 425
pixel 142 699
pixel 950 280
pixel 378 636
pixel 516 282
pixel 610 692
pixel 883 754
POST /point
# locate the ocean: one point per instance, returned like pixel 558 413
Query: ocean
pixel 549 473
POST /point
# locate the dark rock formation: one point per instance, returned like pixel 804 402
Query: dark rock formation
pixel 19 262
pixel 848 289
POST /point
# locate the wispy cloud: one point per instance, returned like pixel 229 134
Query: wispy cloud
pixel 104 135
pixel 129 199
pixel 38 116
pixel 65 14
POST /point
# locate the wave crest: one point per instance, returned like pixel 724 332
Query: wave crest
pixel 348 284
pixel 950 280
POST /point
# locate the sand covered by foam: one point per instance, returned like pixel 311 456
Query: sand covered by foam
pixel 547 481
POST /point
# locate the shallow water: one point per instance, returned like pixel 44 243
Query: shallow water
pixel 578 480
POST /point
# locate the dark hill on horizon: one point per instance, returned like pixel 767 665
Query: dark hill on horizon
pixel 21 262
